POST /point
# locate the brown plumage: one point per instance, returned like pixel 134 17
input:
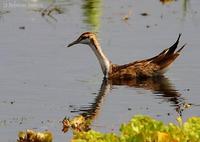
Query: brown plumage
pixel 151 67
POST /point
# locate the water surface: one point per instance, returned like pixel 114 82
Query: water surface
pixel 42 81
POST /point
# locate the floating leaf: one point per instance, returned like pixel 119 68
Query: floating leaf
pixel 180 121
pixel 163 137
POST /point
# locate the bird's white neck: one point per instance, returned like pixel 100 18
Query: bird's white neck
pixel 103 60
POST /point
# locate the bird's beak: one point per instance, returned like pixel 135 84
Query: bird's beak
pixel 73 43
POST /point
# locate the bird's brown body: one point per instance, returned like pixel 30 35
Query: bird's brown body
pixel 151 67
pixel 133 70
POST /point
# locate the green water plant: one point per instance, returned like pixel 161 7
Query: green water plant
pixel 146 129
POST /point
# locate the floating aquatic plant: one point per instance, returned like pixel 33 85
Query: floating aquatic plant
pixel 146 129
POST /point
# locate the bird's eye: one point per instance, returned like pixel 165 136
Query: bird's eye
pixel 82 38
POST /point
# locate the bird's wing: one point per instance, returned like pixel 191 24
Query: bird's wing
pixel 159 62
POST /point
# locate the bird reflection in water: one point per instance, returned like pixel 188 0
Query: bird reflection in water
pixel 160 86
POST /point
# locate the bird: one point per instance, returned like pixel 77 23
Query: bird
pixel 140 69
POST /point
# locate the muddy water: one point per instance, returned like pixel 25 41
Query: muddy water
pixel 42 81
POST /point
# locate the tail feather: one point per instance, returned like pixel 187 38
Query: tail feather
pixel 168 56
pixel 174 46
pixel 181 48
pixel 168 60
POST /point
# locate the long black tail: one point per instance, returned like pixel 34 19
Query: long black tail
pixel 174 46
pixel 181 48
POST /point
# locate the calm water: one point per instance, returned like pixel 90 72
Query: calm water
pixel 42 81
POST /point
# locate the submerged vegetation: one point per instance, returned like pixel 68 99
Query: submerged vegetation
pixel 146 129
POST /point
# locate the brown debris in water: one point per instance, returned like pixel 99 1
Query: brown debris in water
pixel 127 16
pixel 78 123
pixel 33 136
pixel 144 14
pixel 52 9
pixel 2 12
pixel 166 1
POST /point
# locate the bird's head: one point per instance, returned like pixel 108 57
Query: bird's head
pixel 85 38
